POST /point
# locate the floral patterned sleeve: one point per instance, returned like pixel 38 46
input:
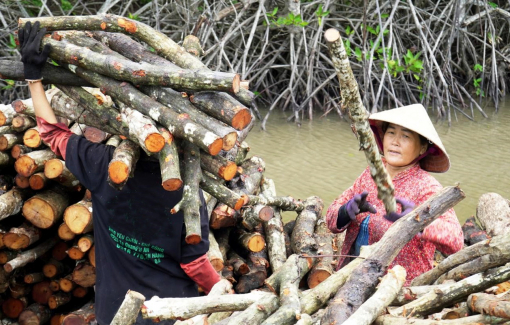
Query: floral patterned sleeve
pixel 332 213
pixel 445 232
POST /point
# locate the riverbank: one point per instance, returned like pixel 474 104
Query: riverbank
pixel 321 157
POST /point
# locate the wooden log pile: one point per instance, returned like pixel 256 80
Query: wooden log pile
pixel 194 122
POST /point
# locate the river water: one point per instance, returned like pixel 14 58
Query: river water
pixel 321 157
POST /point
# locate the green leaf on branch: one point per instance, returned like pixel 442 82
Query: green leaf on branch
pixel 12 42
pixel 478 68
pixel 349 31
pixel 358 54
pixel 9 84
pixel 66 5
pixel 492 4
pixel 132 16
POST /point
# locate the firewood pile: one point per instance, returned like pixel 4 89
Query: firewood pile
pixel 112 87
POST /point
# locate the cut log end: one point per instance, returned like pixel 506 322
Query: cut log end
pixel 239 204
pixel 241 119
pixel 4 143
pixel 37 181
pixel 65 233
pixel 25 166
pixel 256 243
pixel 3 118
pixel 32 138
pixel 22 181
pixel 193 239
pixel 172 184
pixel 39 213
pixel 317 277
pixel 16 241
pixel 331 35
pixel 229 171
pixel 229 141
pixel 12 308
pixel 266 213
pixel 217 264
pixel 118 172
pixel 77 218
pixel 53 168
pixel 155 142
pixel 215 147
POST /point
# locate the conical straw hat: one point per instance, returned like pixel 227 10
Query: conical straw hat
pixel 414 117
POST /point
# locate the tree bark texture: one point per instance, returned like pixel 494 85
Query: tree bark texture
pixel 273 229
pixel 12 202
pixel 218 165
pixel 183 308
pixel 169 162
pixel 34 314
pixel 30 255
pixel 33 162
pixel 7 141
pixel 437 299
pixel 214 253
pixel 128 311
pixel 82 316
pixel 84 274
pixel 22 122
pixel 7 113
pixel 499 245
pixel 21 237
pixel 123 163
pixel 256 313
pixel 387 290
pixel 221 192
pixel 178 124
pixel 190 202
pixel 56 170
pixel 471 320
pixel 285 203
pixel 472 232
pixel 493 212
pixel 258 265
pixel 52 75
pixel 252 216
pixel 179 102
pixel 324 267
pixel 358 114
pixel 302 241
pixel 408 294
pixel 142 73
pixel 223 107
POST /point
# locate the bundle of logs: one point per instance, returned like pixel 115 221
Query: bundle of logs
pixel 113 88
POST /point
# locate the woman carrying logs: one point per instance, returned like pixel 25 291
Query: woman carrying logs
pixel 139 245
pixel 411 148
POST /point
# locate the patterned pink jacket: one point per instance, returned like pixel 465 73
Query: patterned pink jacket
pixel 413 184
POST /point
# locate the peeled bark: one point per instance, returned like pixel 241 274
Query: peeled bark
pixel 129 309
pixel 190 202
pixel 223 107
pixel 123 164
pixel 46 208
pixel 183 308
pixel 358 114
pixel 78 217
pixel 488 304
pixel 33 162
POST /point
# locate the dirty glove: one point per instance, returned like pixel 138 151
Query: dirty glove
pixel 407 206
pixel 30 42
pixel 358 204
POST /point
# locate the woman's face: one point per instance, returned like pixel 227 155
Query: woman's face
pixel 401 145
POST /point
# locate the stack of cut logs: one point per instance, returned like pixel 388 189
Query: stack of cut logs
pixel 113 88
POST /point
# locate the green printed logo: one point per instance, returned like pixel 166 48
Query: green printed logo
pixel 141 250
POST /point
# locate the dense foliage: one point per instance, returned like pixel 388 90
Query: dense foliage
pixel 446 54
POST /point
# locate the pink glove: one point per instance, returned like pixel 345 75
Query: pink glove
pixel 202 272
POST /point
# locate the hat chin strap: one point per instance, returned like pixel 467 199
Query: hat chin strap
pixel 432 150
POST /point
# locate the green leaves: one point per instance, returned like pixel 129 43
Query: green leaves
pixel 12 41
pixel 413 64
pixel 492 4
pixel 66 5
pixel 288 20
pixel 320 13
pixel 8 84
pixel 478 68
pixel 132 16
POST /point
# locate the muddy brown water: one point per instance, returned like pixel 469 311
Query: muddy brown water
pixel 321 157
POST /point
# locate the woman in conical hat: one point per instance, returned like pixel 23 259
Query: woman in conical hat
pixel 411 148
